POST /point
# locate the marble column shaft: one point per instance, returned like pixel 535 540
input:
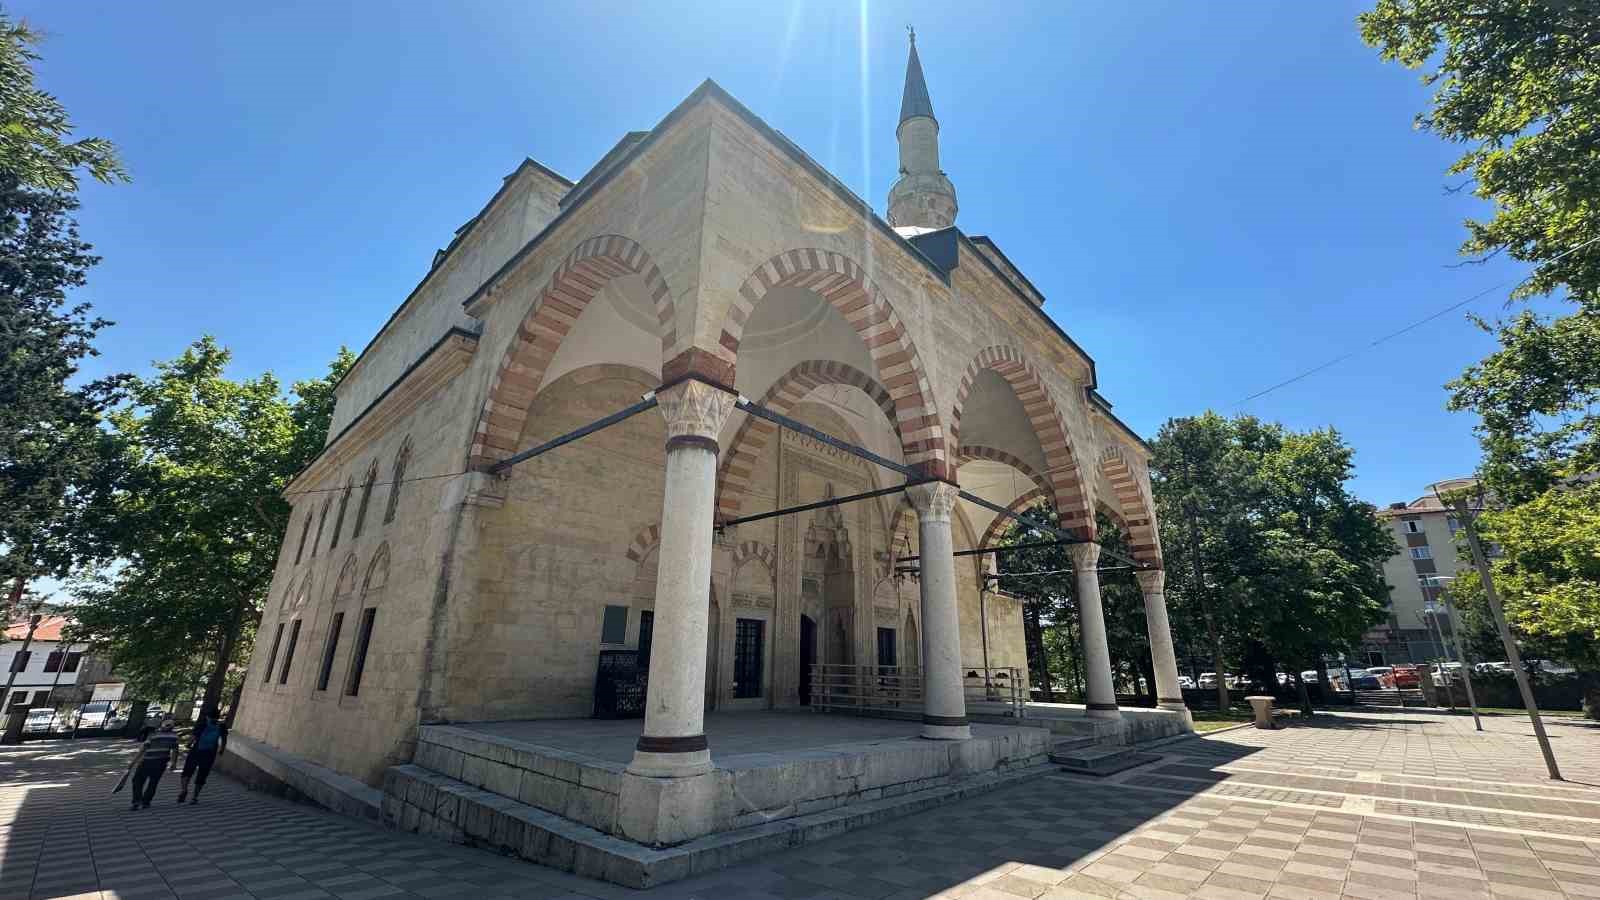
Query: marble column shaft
pixel 1164 660
pixel 674 741
pixel 1101 699
pixel 944 711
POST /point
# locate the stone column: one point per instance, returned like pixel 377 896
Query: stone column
pixel 1102 693
pixel 674 739
pixel 1168 695
pixel 944 710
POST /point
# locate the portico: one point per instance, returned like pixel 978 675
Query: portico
pixel 703 436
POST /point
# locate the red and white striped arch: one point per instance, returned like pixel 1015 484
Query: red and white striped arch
pixel 750 441
pixel 574 283
pixel 844 285
pixel 1137 513
pixel 1070 493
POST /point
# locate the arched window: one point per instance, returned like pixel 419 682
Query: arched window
pixel 400 460
pixel 305 529
pixel 322 521
pixel 338 520
pixel 371 594
pixel 366 498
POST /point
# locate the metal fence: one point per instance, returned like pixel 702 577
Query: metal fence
pixel 999 691
pixel 866 689
pixel 898 690
pixel 96 718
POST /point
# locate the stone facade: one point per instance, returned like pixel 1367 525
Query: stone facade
pixel 709 248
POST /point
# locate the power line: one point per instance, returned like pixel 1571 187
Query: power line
pixel 1414 325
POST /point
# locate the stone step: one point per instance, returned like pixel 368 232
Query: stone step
pixel 1062 746
pixel 422 801
pixel 1101 760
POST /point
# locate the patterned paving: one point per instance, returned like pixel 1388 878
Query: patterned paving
pixel 1377 805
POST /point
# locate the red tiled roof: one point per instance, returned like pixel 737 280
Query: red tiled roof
pixel 49 629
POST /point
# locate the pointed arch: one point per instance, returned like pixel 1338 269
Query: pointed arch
pixel 1137 511
pixel 344 504
pixel 377 573
pixel 585 271
pixel 738 465
pixel 346 585
pixel 756 550
pixel 843 284
pixel 397 480
pixel 998 526
pixel 1068 488
pixel 992 454
pixel 643 542
pixel 366 498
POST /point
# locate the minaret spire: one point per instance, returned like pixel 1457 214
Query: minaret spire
pixel 923 196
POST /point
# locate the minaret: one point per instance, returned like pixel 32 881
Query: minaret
pixel 923 196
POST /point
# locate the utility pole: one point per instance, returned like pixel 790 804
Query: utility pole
pixel 1425 617
pixel 1461 654
pixel 1480 560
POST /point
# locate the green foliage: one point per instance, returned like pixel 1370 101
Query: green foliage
pixel 35 144
pixel 1262 541
pixel 197 520
pixel 1518 82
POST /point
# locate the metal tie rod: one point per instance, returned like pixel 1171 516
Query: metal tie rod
pixel 1059 532
pixel 836 501
pixel 649 402
pixel 759 411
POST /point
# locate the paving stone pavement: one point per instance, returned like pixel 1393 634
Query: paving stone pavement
pixel 1391 804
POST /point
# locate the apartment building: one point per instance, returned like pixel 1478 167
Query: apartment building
pixel 1425 529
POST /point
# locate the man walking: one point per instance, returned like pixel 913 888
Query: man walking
pixel 160 750
pixel 209 738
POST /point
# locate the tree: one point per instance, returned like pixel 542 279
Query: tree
pixel 1518 82
pixel 51 445
pixel 1042 578
pixel 198 519
pixel 35 144
pixel 1265 548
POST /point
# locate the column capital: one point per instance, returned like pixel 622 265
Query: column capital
pixel 1085 557
pixel 933 500
pixel 1152 581
pixel 695 413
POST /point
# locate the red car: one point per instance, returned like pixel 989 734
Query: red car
pixel 1406 677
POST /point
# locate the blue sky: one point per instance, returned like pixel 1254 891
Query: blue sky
pixel 1213 197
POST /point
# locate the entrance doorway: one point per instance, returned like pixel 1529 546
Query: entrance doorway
pixel 808 657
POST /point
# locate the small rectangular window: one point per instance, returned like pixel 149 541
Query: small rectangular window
pixel 1421 553
pixel 72 662
pixel 358 656
pixel 272 658
pixel 614 627
pixel 327 652
pixel 1413 527
pixel 288 652
pixel 1453 524
pixel 19 663
pixel 19 699
pixel 52 663
pixel 749 640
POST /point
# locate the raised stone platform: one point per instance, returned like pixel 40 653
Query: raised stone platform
pixel 1134 725
pixel 557 792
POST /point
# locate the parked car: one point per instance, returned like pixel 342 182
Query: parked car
pixel 1185 681
pixel 39 719
pixel 1406 677
pixel 1547 667
pixel 1384 674
pixel 1208 679
pixel 98 714
pixel 1309 676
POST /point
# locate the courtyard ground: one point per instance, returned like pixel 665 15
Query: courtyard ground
pixel 1375 804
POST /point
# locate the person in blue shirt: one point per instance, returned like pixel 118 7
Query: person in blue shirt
pixel 209 738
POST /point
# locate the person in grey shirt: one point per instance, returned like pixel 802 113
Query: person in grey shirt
pixel 159 753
